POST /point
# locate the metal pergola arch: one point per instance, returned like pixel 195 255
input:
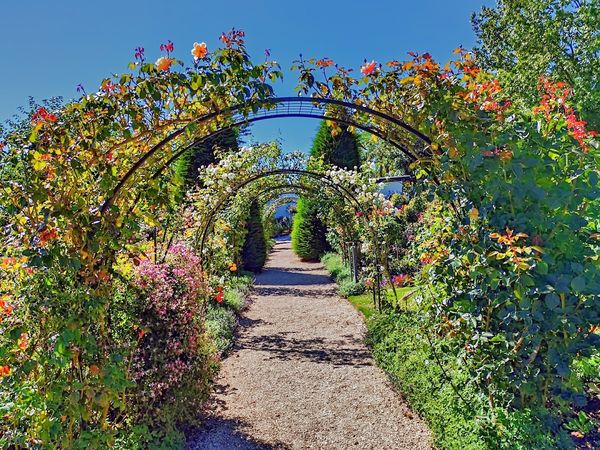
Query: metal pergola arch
pixel 315 175
pixel 280 107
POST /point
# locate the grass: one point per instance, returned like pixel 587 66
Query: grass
pixel 364 302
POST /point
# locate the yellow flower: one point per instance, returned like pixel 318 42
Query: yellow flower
pixel 474 214
pixel 233 267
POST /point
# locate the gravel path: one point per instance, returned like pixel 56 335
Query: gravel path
pixel 300 376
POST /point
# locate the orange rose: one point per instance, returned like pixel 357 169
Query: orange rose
pixel 163 63
pixel 199 51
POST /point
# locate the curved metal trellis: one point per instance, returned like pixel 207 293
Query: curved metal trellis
pixel 387 127
pixel 344 192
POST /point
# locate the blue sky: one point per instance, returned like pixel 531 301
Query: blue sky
pixel 51 46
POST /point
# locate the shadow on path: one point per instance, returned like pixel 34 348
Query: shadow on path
pixel 283 346
pixel 218 433
pixel 282 277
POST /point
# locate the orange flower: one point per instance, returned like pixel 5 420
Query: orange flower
pixel 163 63
pixel 368 68
pixel 324 63
pixel 233 267
pixel 94 370
pixel 4 371
pixel 48 234
pixel 199 51
pixel 22 342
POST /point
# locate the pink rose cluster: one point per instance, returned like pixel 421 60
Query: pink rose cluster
pixel 170 301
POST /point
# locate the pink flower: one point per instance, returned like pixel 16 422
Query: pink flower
pixel 368 68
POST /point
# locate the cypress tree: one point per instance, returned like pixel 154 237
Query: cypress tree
pixel 254 251
pixel 308 231
pixel 341 150
pixel 201 154
pixel 309 239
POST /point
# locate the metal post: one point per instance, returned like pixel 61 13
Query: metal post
pixel 354 262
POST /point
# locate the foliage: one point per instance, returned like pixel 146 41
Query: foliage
pixel 254 251
pixel 308 231
pixel 522 40
pixel 340 272
pixel 401 348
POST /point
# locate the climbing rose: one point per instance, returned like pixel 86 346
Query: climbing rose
pixel 168 47
pixel 324 63
pixel 163 63
pixel 43 116
pixel 199 51
pixel 368 68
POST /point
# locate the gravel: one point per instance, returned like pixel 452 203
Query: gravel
pixel 300 376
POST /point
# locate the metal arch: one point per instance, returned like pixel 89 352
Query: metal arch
pixel 342 190
pixel 269 109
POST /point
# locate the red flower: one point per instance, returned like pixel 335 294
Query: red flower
pixel 368 68
pixel 47 235
pixel 219 297
pixel 401 279
pixel 324 63
pixel 168 47
pixel 42 115
pixel 22 342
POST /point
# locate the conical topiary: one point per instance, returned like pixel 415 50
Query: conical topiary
pixel 308 231
pixel 254 251
pixel 309 239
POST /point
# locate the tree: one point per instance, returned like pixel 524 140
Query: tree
pixel 522 40
pixel 333 146
pixel 308 231
pixel 254 252
pixel 336 146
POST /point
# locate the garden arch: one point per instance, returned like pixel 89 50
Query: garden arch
pixel 391 129
pixel 337 188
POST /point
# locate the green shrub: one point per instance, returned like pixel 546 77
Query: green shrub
pixel 221 320
pixel 220 326
pixel 348 287
pixel 400 346
pixel 254 251
pixel 334 264
pixel 308 231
